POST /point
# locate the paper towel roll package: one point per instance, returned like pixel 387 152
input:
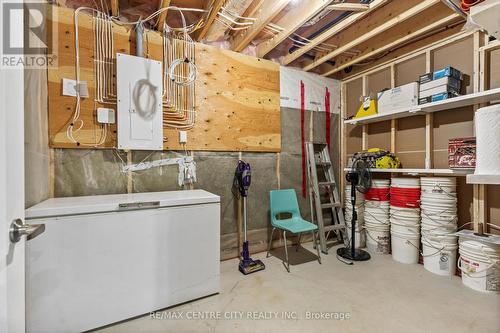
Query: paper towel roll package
pixel 488 140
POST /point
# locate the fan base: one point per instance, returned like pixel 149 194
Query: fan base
pixel 359 255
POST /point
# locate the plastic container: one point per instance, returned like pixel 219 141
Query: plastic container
pixel 439 258
pixel 405 182
pixel 378 240
pixel 405 229
pixel 480 266
pixel 405 247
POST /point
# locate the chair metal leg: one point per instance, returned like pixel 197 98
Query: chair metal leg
pixel 270 243
pixel 317 247
pixel 298 243
pixel 287 265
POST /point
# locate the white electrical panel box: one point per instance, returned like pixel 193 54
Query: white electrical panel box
pixel 140 106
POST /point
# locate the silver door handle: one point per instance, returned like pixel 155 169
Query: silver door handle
pixel 18 229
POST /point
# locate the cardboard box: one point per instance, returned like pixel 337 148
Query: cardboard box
pixel 401 97
pixel 444 81
pixel 445 72
pixel 462 153
pixel 439 90
pixel 436 98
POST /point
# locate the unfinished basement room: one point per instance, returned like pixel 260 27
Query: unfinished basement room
pixel 193 166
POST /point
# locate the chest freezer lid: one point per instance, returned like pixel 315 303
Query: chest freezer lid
pixel 118 202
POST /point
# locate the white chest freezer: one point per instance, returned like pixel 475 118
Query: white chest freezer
pixel 107 258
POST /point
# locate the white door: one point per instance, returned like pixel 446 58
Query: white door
pixel 12 302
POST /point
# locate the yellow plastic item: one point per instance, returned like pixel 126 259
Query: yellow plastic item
pixel 367 108
pixel 387 162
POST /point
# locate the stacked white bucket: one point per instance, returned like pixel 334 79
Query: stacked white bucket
pixel 376 217
pixel 405 220
pixel 439 223
pixel 360 240
pixel 480 263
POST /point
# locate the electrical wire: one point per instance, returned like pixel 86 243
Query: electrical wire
pixel 181 71
pixel 77 123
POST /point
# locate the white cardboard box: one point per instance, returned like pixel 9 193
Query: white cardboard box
pixel 444 81
pixel 404 96
pixel 439 90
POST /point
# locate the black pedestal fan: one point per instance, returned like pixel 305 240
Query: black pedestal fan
pixel 360 179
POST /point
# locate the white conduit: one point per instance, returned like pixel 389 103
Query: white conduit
pixel 76 123
pixel 179 66
pixel 104 60
pixel 236 15
pixel 180 73
pixel 229 26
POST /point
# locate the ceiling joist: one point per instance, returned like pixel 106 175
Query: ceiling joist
pixel 414 10
pixel 265 14
pixel 163 14
pixel 332 31
pixel 352 7
pixel 376 50
pixel 295 18
pixel 115 8
pixel 216 5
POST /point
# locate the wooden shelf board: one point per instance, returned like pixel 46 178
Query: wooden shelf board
pixel 453 172
pixel 483 179
pixel 452 103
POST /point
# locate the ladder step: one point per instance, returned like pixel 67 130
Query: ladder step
pixel 318 157
pixel 330 205
pixel 334 227
pixel 326 183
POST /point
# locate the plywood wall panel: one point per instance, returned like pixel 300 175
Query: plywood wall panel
pixel 494 70
pixel 450 124
pixel 494 207
pixel 410 136
pixel 379 81
pixel 410 70
pixel 354 90
pixel 410 141
pixel 237 96
pixel 459 55
pixel 464 204
pixel 379 134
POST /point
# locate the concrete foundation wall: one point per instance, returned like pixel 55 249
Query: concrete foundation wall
pixel 93 172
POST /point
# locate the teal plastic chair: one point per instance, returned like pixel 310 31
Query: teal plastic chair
pixel 285 202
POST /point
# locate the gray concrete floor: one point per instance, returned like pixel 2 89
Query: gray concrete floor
pixel 379 295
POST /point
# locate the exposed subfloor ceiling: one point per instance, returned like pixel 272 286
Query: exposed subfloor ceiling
pixel 328 37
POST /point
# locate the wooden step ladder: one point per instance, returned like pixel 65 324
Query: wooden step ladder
pixel 319 166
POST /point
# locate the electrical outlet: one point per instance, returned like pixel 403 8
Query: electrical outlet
pixel 106 116
pixel 69 88
pixel 183 137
